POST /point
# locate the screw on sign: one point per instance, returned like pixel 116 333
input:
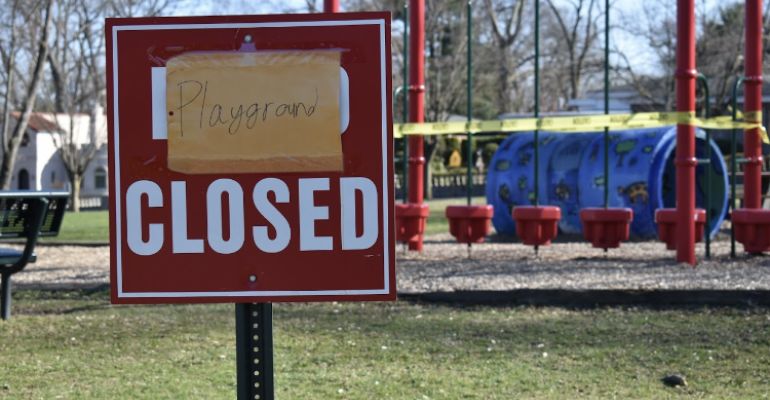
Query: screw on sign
pixel 251 163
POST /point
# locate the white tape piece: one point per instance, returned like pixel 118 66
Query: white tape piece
pixel 159 119
pixel 344 100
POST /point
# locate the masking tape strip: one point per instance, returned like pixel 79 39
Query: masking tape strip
pixel 583 123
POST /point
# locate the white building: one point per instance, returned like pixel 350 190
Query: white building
pixel 39 165
pixel 623 99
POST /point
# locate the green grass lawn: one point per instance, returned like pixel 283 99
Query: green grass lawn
pixel 75 346
pixel 84 226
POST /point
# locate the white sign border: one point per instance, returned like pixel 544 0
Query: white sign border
pixel 116 173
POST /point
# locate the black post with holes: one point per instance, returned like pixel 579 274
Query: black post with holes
pixel 5 295
pixel 254 350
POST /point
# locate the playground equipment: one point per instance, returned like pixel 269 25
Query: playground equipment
pixel 536 224
pixel 410 222
pixel 686 162
pixel 572 178
pixel 752 229
pixel 469 224
pixel 607 227
pixel 708 201
pixel 413 214
pixel 667 226
pixel 751 224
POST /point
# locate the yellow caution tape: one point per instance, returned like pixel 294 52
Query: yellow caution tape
pixel 583 123
pixel 755 117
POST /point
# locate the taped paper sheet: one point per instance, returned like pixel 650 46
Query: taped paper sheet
pixel 254 112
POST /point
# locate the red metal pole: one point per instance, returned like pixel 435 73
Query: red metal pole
pixel 416 104
pixel 331 6
pixel 685 133
pixel 752 144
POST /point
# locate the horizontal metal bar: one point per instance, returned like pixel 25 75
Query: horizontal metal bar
pixel 32 194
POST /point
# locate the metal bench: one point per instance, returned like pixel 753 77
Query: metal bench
pixel 25 215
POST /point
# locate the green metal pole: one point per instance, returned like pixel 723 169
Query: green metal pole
pixel 469 106
pixel 733 164
pixel 405 110
pixel 537 99
pixel 606 103
pixel 707 200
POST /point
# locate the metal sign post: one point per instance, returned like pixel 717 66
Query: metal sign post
pixel 254 350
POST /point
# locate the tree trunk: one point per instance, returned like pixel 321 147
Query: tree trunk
pixel 431 146
pixel 428 183
pixel 75 196
pixel 9 66
pixel 503 76
pixel 7 98
pixel 6 170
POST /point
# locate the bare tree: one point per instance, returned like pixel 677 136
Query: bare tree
pixel 77 74
pixel 311 6
pixel 445 57
pixel 656 28
pixel 138 8
pixel 77 79
pixel 444 73
pixel 576 35
pixel 506 22
pixel 8 53
pixel 719 50
pixel 11 147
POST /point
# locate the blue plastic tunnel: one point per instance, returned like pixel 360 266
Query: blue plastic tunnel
pixel 642 176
